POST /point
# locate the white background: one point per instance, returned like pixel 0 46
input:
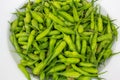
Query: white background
pixel 8 67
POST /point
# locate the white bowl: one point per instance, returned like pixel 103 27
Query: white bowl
pixel 9 59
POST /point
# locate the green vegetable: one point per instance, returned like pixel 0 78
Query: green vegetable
pixel 36 16
pixel 62 39
pixel 42 55
pixel 72 74
pixel 27 18
pixel 92 21
pixel 104 37
pixel 86 64
pixel 39 68
pixel 23 69
pixel 42 76
pixel 44 33
pixel 84 48
pixel 55 19
pixel 70 60
pixel 80 29
pixel 73 54
pixel 66 16
pixel 100 23
pixel 90 69
pixel 14 25
pixel 30 39
pixel 58 50
pixel 51 45
pixel 35 24
pixel 78 42
pixel 54 32
pixel 79 70
pixel 64 29
pixel 56 68
pixel 69 42
pixel 75 14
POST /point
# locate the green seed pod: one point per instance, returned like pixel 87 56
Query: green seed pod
pixel 23 69
pixel 30 39
pixel 21 23
pixel 90 69
pixel 42 76
pixel 36 16
pixel 27 18
pixel 86 64
pixel 14 25
pixel 72 74
pixel 57 68
pixel 35 24
pixel 22 39
pixel 55 19
pixel 38 1
pixel 42 55
pixel 64 29
pixel 68 40
pixel 66 16
pixel 73 54
pixel 80 29
pixel 65 7
pixel 33 56
pixel 70 60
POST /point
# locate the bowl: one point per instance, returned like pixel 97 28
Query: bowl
pixel 112 65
